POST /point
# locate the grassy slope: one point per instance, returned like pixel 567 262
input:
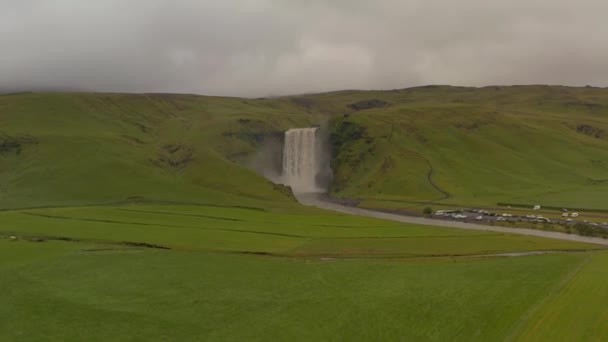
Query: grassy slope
pixel 110 148
pixel 489 145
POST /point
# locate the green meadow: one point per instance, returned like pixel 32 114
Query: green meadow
pixel 129 217
pixel 147 272
pixel 68 291
pixel 311 233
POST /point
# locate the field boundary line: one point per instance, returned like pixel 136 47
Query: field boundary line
pixel 555 290
pixel 160 225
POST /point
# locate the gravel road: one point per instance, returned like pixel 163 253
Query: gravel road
pixel 321 201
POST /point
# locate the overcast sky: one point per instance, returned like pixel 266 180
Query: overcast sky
pixel 277 47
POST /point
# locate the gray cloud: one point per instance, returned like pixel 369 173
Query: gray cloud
pixel 275 47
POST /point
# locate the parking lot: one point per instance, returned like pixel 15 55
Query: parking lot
pixel 485 216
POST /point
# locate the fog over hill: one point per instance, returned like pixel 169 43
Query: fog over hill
pixel 270 47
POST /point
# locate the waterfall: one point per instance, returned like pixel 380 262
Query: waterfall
pixel 301 159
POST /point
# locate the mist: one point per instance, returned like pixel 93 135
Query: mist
pixel 267 159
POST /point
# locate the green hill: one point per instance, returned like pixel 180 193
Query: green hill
pixel 469 146
pixel 77 149
pixel 463 146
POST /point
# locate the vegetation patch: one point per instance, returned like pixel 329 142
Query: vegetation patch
pixel 133 140
pixel 36 238
pixel 175 156
pixel 349 146
pixel 143 245
pixel 304 102
pixel 254 132
pixel 585 104
pixel 368 104
pixel 15 144
pixel 286 190
pixel 591 131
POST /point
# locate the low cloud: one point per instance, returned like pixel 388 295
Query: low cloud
pixel 277 47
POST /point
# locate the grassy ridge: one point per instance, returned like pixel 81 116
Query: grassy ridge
pixel 471 146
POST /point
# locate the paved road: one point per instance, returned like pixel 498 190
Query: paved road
pixel 321 201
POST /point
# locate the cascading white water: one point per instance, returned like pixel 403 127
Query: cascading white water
pixel 301 159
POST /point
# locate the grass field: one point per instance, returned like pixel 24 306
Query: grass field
pixel 151 272
pixel 307 233
pixel 572 303
pixel 146 217
pixel 75 291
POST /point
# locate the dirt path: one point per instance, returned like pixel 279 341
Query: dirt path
pixel 429 177
pixel 318 200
